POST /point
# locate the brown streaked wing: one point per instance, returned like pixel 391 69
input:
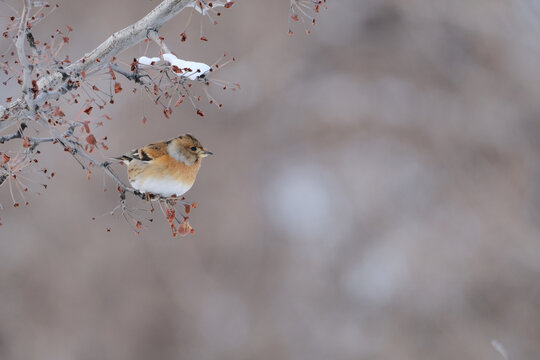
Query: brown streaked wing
pixel 152 151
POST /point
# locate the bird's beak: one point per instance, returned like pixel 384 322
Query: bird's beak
pixel 205 153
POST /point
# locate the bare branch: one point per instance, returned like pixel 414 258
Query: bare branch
pixel 74 148
pixel 118 42
pixel 9 137
pixel 21 52
pixel 134 76
pixel 33 142
pixel 153 35
pixel 55 84
pixel 8 115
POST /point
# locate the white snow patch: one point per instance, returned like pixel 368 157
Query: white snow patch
pixel 143 60
pixel 190 69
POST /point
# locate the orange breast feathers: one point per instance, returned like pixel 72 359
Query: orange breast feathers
pixel 167 167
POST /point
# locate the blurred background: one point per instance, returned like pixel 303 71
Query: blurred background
pixel 374 194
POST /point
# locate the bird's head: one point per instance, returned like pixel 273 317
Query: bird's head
pixel 187 148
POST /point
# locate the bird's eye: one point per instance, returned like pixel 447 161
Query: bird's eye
pixel 193 148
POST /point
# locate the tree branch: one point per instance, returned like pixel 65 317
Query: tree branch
pixel 131 75
pixel 33 142
pixel 55 84
pixel 154 35
pixel 21 52
pixel 73 147
pixel 118 42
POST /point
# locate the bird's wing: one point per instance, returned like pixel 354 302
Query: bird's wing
pixel 146 153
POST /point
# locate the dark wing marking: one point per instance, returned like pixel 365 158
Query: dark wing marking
pixel 153 151
pixel 135 154
pixel 143 156
pixel 146 153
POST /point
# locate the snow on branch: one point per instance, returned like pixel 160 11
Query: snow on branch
pixel 143 60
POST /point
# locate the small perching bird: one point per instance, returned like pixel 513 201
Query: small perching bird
pixel 165 168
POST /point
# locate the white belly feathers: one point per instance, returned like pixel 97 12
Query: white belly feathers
pixel 165 187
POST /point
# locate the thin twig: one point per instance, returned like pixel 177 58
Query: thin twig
pixel 138 78
pixel 153 35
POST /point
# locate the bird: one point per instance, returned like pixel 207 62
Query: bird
pixel 166 168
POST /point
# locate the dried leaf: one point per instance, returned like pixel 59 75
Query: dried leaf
pixel 184 229
pixel 35 88
pixel 91 139
pixel 170 215
pixel 167 112
pixel 117 87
